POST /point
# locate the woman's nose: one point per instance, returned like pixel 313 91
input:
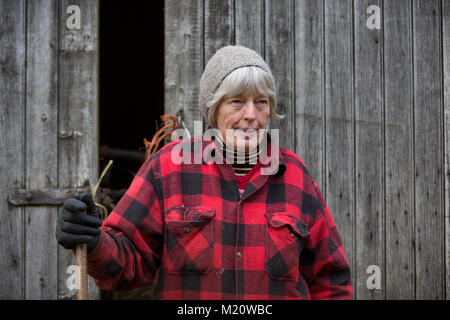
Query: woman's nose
pixel 249 111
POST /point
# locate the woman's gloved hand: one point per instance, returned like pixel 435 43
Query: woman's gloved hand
pixel 78 222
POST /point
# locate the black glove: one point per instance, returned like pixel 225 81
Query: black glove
pixel 75 227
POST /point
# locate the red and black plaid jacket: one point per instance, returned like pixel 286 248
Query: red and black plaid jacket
pixel 185 228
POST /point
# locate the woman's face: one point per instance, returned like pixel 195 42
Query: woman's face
pixel 241 118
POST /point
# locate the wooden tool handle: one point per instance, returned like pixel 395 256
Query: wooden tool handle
pixel 81 252
pixel 82 279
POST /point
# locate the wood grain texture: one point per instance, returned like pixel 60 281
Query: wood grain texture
pixel 183 59
pixel 219 26
pixel 279 54
pixel 446 82
pixel 12 141
pixel 41 274
pixel 369 170
pixel 309 86
pixel 429 218
pixel 81 270
pixel 78 111
pixel 249 24
pixel 399 279
pixel 339 120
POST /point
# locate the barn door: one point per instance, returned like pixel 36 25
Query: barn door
pixel 48 138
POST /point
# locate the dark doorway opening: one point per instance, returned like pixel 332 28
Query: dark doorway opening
pixel 131 84
pixel 131 96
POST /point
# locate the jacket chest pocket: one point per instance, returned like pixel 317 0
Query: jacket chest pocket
pixel 285 238
pixel 189 239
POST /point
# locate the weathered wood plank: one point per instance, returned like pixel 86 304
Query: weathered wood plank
pixel 12 116
pixel 183 58
pixel 399 150
pixel 429 218
pixel 41 275
pixel 249 24
pixel 309 86
pixel 339 134
pixel 369 151
pixel 446 75
pixel 77 111
pixel 279 54
pixel 219 26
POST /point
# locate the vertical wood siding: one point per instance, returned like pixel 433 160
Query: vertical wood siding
pixel 369 148
pixel 366 109
pixel 339 144
pixel 12 146
pixel 428 160
pixel 446 83
pixel 279 50
pixel 41 254
pixel 48 85
pixel 77 111
pixel 184 58
pixel 399 163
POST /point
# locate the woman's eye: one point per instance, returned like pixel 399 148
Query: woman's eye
pixel 263 102
pixel 236 101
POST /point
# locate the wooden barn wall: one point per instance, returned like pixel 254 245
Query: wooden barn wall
pixel 367 110
pixel 48 90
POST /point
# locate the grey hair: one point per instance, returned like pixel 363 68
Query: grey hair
pixel 238 82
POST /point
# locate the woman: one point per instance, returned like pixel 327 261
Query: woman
pixel 220 227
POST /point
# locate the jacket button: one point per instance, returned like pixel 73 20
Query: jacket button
pixel 292 234
pixel 187 229
pixel 239 254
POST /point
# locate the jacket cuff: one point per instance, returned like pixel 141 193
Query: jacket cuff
pixel 100 254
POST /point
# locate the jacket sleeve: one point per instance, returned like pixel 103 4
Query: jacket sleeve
pixel 128 253
pixel 323 262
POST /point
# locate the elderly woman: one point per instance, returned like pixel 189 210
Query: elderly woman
pixel 220 227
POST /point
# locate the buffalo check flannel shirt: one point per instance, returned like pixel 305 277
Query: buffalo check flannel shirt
pixel 185 228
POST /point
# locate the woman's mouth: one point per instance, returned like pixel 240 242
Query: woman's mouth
pixel 247 131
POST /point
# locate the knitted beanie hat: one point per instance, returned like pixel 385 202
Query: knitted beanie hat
pixel 221 64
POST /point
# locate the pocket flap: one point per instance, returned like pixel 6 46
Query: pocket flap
pixel 181 213
pixel 295 225
pixel 197 214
